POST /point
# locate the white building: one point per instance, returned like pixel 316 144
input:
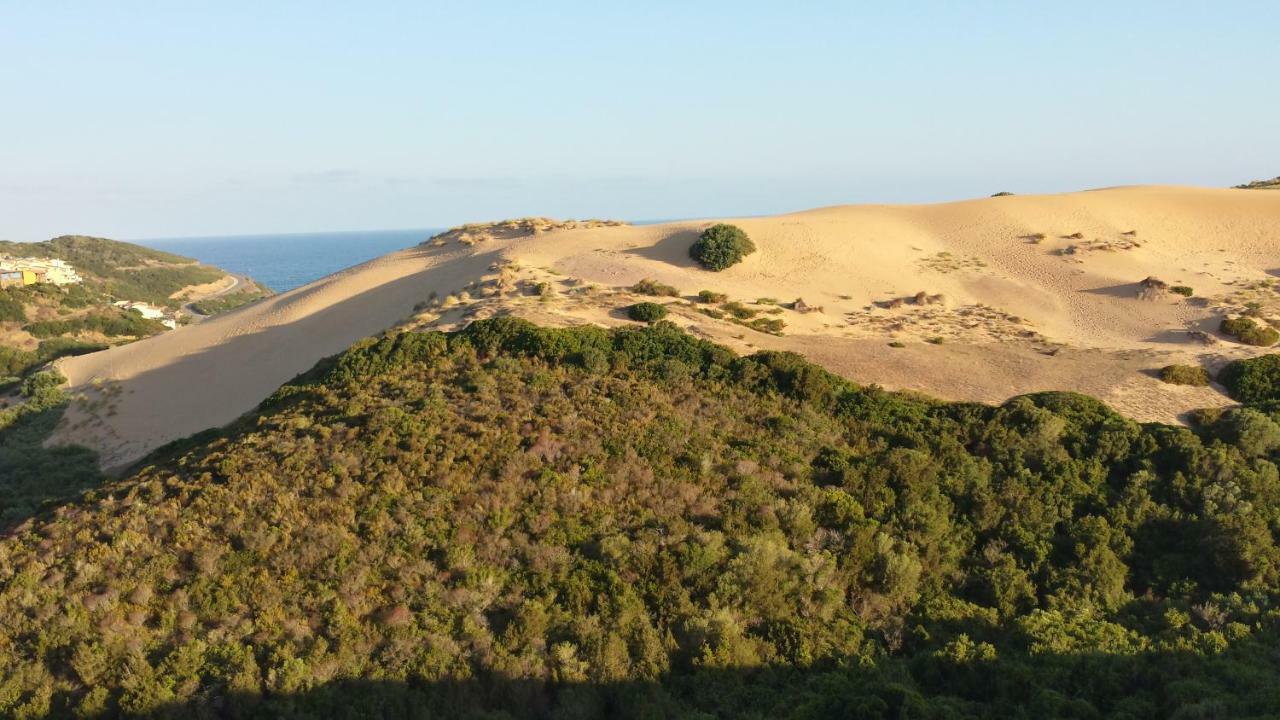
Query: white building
pixel 58 272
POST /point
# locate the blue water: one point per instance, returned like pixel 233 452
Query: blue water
pixel 283 262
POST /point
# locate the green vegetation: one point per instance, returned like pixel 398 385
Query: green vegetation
pixel 1184 375
pixel 17 362
pixel 225 303
pixel 121 270
pixel 30 474
pixel 708 296
pixel 1249 332
pixel 112 323
pixel 1183 290
pixel 721 246
pixel 739 311
pixel 1254 381
pixel 655 288
pixel 647 312
pixel 11 308
pixel 512 522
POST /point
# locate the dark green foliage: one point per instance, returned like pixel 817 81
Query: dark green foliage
pixel 708 296
pixel 14 361
pixel 653 287
pixel 647 312
pixel 225 303
pixel 720 246
pixel 1249 332
pixel 512 521
pixel 1254 380
pixel 1182 290
pixel 11 308
pixel 112 323
pixel 1184 375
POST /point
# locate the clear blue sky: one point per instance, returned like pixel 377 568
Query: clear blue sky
pixel 145 119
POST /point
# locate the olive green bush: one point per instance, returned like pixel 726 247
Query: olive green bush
pixel 647 312
pixel 721 246
pixel 1184 375
pixel 1249 332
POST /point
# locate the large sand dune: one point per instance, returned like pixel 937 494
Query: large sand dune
pixel 1015 294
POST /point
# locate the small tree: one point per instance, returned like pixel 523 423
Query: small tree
pixel 647 312
pixel 720 246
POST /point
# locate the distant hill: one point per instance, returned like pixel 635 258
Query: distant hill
pixel 520 522
pixel 42 321
pixel 1272 184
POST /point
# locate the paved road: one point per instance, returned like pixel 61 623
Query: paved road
pixel 196 316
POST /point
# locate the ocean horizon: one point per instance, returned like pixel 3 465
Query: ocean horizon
pixel 285 261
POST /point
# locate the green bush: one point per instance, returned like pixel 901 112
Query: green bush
pixel 1253 381
pixel 1182 290
pixel 647 312
pixel 720 246
pixel 655 288
pixel 1184 375
pixel 1249 332
pixel 707 296
pixel 11 308
pixel 112 323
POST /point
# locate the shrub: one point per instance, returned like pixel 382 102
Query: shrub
pixel 11 307
pixel 655 288
pixel 1182 290
pixel 1256 380
pixel 720 246
pixel 708 296
pixel 773 326
pixel 647 312
pixel 1184 375
pixel 739 311
pixel 897 344
pixel 1249 332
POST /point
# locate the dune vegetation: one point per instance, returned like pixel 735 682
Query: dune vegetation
pixel 512 521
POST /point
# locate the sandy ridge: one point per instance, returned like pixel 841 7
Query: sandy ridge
pixel 1034 292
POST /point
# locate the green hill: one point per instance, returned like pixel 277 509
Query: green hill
pixel 520 522
pixel 44 321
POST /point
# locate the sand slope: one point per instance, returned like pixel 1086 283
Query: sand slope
pixel 1023 293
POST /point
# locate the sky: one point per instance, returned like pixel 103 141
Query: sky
pixel 169 119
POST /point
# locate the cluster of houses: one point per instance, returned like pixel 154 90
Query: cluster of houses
pixel 16 272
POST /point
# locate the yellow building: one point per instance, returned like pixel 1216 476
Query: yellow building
pixel 15 278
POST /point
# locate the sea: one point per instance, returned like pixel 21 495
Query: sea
pixel 284 262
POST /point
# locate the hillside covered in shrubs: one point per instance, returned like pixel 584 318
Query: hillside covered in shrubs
pixel 512 522
pixel 44 321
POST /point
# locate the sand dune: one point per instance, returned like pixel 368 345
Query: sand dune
pixel 1017 294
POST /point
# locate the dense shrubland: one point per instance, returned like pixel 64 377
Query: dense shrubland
pixel 520 522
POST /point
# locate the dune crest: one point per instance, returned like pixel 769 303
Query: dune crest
pixel 973 300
